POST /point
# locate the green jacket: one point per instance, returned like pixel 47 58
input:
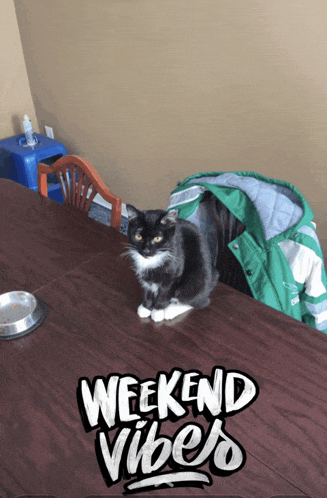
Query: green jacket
pixel 279 246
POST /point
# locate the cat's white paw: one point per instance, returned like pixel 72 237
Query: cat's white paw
pixel 158 315
pixel 175 309
pixel 143 312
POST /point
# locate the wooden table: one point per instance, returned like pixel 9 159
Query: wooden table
pixel 74 264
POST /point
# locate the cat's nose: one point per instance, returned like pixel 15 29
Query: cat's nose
pixel 147 251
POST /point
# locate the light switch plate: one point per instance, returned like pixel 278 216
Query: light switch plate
pixel 49 131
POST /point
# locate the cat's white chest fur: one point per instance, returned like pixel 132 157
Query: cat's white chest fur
pixel 142 264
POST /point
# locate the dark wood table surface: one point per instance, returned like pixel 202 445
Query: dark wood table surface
pixel 74 265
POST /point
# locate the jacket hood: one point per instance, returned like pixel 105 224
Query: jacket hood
pixel 280 207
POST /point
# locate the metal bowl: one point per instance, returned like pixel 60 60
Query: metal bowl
pixel 20 313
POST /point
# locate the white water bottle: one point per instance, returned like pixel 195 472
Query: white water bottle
pixel 28 128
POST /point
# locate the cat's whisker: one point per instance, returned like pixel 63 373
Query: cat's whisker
pixel 173 257
pixel 125 254
pixel 126 244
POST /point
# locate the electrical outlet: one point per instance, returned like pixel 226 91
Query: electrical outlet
pixel 49 131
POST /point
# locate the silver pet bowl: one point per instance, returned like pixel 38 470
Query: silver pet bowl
pixel 20 313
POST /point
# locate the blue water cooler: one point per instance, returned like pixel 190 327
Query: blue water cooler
pixel 18 161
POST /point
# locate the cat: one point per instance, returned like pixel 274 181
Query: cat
pixel 171 261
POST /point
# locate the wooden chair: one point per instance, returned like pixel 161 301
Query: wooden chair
pixel 81 192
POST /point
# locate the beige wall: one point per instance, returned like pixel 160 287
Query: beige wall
pixel 151 91
pixel 15 93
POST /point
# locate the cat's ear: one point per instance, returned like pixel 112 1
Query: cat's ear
pixel 132 211
pixel 170 218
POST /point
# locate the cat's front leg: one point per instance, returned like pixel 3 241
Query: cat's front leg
pixel 161 302
pixel 158 315
pixel 143 312
pixel 144 309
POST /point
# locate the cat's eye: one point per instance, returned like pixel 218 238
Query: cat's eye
pixel 157 239
pixel 138 237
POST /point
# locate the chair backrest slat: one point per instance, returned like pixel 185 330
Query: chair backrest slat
pixel 60 176
pixel 93 193
pixel 73 183
pixel 68 186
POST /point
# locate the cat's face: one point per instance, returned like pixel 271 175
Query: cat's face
pixel 150 232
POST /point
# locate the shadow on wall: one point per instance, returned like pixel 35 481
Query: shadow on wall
pixel 17 124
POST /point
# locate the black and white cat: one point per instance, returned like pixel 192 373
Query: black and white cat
pixel 171 261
